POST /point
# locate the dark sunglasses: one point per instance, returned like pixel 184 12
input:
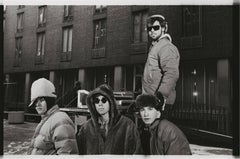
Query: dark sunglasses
pixel 97 100
pixel 155 27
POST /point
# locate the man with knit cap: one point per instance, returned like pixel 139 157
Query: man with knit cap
pixel 159 136
pixel 55 133
pixel 161 69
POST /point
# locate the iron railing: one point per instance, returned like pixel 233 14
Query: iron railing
pixel 211 118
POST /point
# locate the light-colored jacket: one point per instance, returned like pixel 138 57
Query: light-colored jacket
pixel 54 135
pixel 162 62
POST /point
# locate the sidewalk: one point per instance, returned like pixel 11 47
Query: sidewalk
pixel 17 138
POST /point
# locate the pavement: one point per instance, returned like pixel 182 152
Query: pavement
pixel 17 139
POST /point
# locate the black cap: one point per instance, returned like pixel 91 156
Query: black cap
pixel 155 101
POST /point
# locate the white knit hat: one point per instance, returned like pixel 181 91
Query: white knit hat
pixel 42 88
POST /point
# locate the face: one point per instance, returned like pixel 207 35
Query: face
pixel 101 104
pixel 41 106
pixel 149 114
pixel 155 30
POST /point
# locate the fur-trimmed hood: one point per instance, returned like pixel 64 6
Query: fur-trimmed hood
pixel 106 91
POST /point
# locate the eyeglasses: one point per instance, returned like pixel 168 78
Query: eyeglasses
pixel 97 100
pixel 155 27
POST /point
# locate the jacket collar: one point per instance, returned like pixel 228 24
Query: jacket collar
pixel 54 109
pixel 163 36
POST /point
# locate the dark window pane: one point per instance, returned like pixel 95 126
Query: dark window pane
pixel 137 22
pixel 191 20
pixel 99 33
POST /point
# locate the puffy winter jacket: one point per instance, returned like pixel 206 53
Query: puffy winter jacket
pixel 55 134
pixel 167 139
pixel 122 136
pixel 162 63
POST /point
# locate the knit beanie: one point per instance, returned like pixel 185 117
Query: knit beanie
pixel 42 88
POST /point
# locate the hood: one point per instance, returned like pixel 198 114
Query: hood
pixel 106 91
pixel 167 36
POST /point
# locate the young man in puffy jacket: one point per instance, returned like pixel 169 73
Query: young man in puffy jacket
pixel 55 134
pixel 159 136
pixel 107 131
pixel 161 70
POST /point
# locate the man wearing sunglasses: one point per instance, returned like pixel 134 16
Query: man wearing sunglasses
pixel 107 132
pixel 161 69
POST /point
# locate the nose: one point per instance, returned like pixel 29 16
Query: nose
pixel 100 103
pixel 145 113
pixel 38 103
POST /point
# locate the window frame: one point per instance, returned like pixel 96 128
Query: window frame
pixel 44 19
pixel 68 28
pixel 103 39
pixel 18 47
pixel 20 16
pixel 42 44
pixel 100 9
pixel 69 15
pixel 185 34
pixel 141 27
pixel 21 6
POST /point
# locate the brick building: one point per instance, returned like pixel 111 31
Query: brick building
pixel 109 44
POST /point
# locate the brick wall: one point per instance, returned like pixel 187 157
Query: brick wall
pixel 216 33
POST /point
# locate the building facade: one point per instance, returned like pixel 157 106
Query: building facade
pixel 109 44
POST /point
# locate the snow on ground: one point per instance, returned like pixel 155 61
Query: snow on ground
pixel 206 150
pixel 17 138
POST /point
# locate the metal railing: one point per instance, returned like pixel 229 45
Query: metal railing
pixel 68 99
pixel 211 118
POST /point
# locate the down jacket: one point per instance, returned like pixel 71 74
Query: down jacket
pixel 122 137
pixel 167 139
pixel 55 134
pixel 162 63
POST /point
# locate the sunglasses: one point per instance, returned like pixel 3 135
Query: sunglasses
pixel 155 27
pixel 97 100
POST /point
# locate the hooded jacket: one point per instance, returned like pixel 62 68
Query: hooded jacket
pixel 122 136
pixel 162 63
pixel 55 134
pixel 167 139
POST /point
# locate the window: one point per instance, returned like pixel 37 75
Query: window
pixel 40 44
pixel 99 33
pixel 42 16
pixel 138 73
pixel 19 22
pixel 18 51
pixel 100 8
pixel 67 39
pixel 68 12
pixel 21 6
pixel 191 21
pixel 191 35
pixel 18 46
pixel 139 25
